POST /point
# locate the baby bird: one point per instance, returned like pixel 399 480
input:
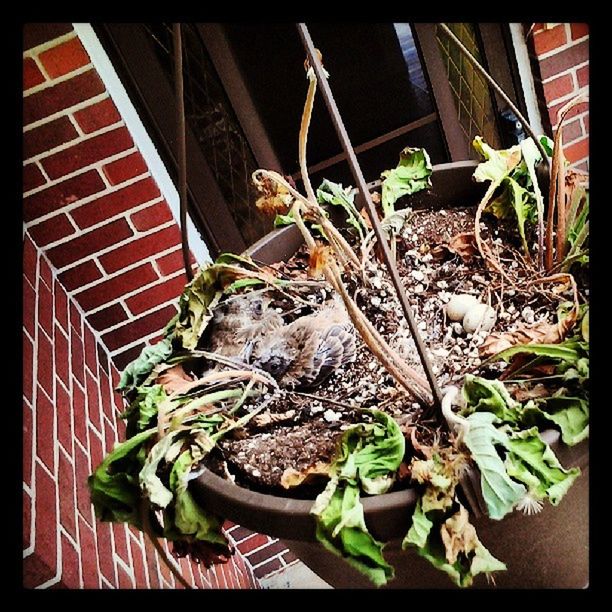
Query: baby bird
pixel 239 322
pixel 307 351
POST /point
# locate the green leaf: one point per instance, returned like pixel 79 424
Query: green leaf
pixel 411 175
pixel 500 492
pixel 498 164
pixel 528 447
pixel 565 352
pixel 150 482
pixel 483 395
pixel 190 518
pixel 241 284
pixel 144 407
pixel 138 370
pixel 282 220
pixel 548 145
pixel 569 414
pixel 419 529
pixel 342 530
pixel 113 486
pixel 523 205
pixel 336 195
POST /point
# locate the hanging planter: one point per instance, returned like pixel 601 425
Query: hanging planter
pixel 436 474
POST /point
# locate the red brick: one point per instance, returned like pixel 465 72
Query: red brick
pixel 65 430
pixel 137 329
pixel 99 115
pixel 96 449
pixel 27 520
pixel 91 356
pixel 46 274
pixel 64 58
pixel 76 361
pixel 80 275
pixel 62 95
pixel 125 581
pixel 152 216
pixel 105 393
pixel 121 544
pixel 583 76
pixel 125 168
pixel 82 472
pixel 572 131
pixel 61 306
pixel 67 498
pixel 559 87
pixel 79 415
pixel 29 308
pixel 268 552
pixel 114 288
pixel 93 404
pixel 45 309
pixel 51 230
pixel 151 560
pixel 45 427
pixel 28 364
pixel 89 243
pixel 102 359
pixel 30 260
pixel 115 203
pixel 584 166
pixel 138 565
pixel 267 568
pixel 48 136
pixel 547 40
pixel 60 195
pixel 585 120
pixel 45 371
pixel 32 177
pixel 62 355
pixel 31 74
pixel 70 565
pixel 159 294
pixel 45 525
pixel 76 321
pixel 577 110
pixel 86 152
pixel 577 150
pixel 579 30
pixel 140 249
pixel 87 541
pixel 103 319
pixel 28 449
pixel 122 359
pixel 289 557
pixel 564 60
pixel 110 435
pixel 255 541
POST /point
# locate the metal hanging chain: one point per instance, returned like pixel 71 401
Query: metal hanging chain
pixel 371 210
pixel 498 89
pixel 181 146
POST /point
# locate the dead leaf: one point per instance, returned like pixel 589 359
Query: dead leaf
pixel 521 394
pixel 319 259
pixel 274 199
pixel 365 216
pixel 292 477
pixel 463 244
pixel 458 535
pixel 173 379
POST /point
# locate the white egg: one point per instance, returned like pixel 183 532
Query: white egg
pixel 458 305
pixel 479 316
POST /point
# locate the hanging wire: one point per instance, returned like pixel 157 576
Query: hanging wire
pixel 326 92
pixel 181 145
pixel 498 89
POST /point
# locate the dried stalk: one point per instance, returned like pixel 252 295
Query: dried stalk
pixel 303 139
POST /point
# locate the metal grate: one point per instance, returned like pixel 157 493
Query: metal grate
pixel 211 118
pixel 471 93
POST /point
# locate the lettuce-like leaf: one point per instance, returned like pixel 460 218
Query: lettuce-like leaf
pixel 138 370
pixel 370 454
pixel 412 174
pixel 150 482
pixel 528 448
pixel 143 409
pixel 482 395
pixel 497 164
pixel 335 194
pixel 569 414
pixel 499 491
pixel 113 486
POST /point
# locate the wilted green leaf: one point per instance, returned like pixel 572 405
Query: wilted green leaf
pixel 483 395
pixel 499 491
pixel 150 482
pixel 282 220
pixel 411 175
pixel 335 194
pixel 138 370
pixel 144 407
pixel 569 414
pixel 114 489
pixel 241 284
pixel 565 352
pixel 419 529
pixel 497 164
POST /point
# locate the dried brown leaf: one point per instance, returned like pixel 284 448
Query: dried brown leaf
pixel 521 394
pixel 274 199
pixel 292 477
pixel 173 379
pixel 319 259
pixel 463 244
pixel 458 535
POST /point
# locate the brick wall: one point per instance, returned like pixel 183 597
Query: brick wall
pixel 560 62
pixel 102 273
pixel 70 421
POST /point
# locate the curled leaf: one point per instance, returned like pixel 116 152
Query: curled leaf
pixel 173 379
pixel 319 259
pixel 293 478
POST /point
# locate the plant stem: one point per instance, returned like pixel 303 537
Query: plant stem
pixel 303 140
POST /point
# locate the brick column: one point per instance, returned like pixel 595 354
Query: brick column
pixel 560 60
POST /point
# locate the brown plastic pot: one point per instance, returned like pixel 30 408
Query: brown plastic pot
pixel 548 550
